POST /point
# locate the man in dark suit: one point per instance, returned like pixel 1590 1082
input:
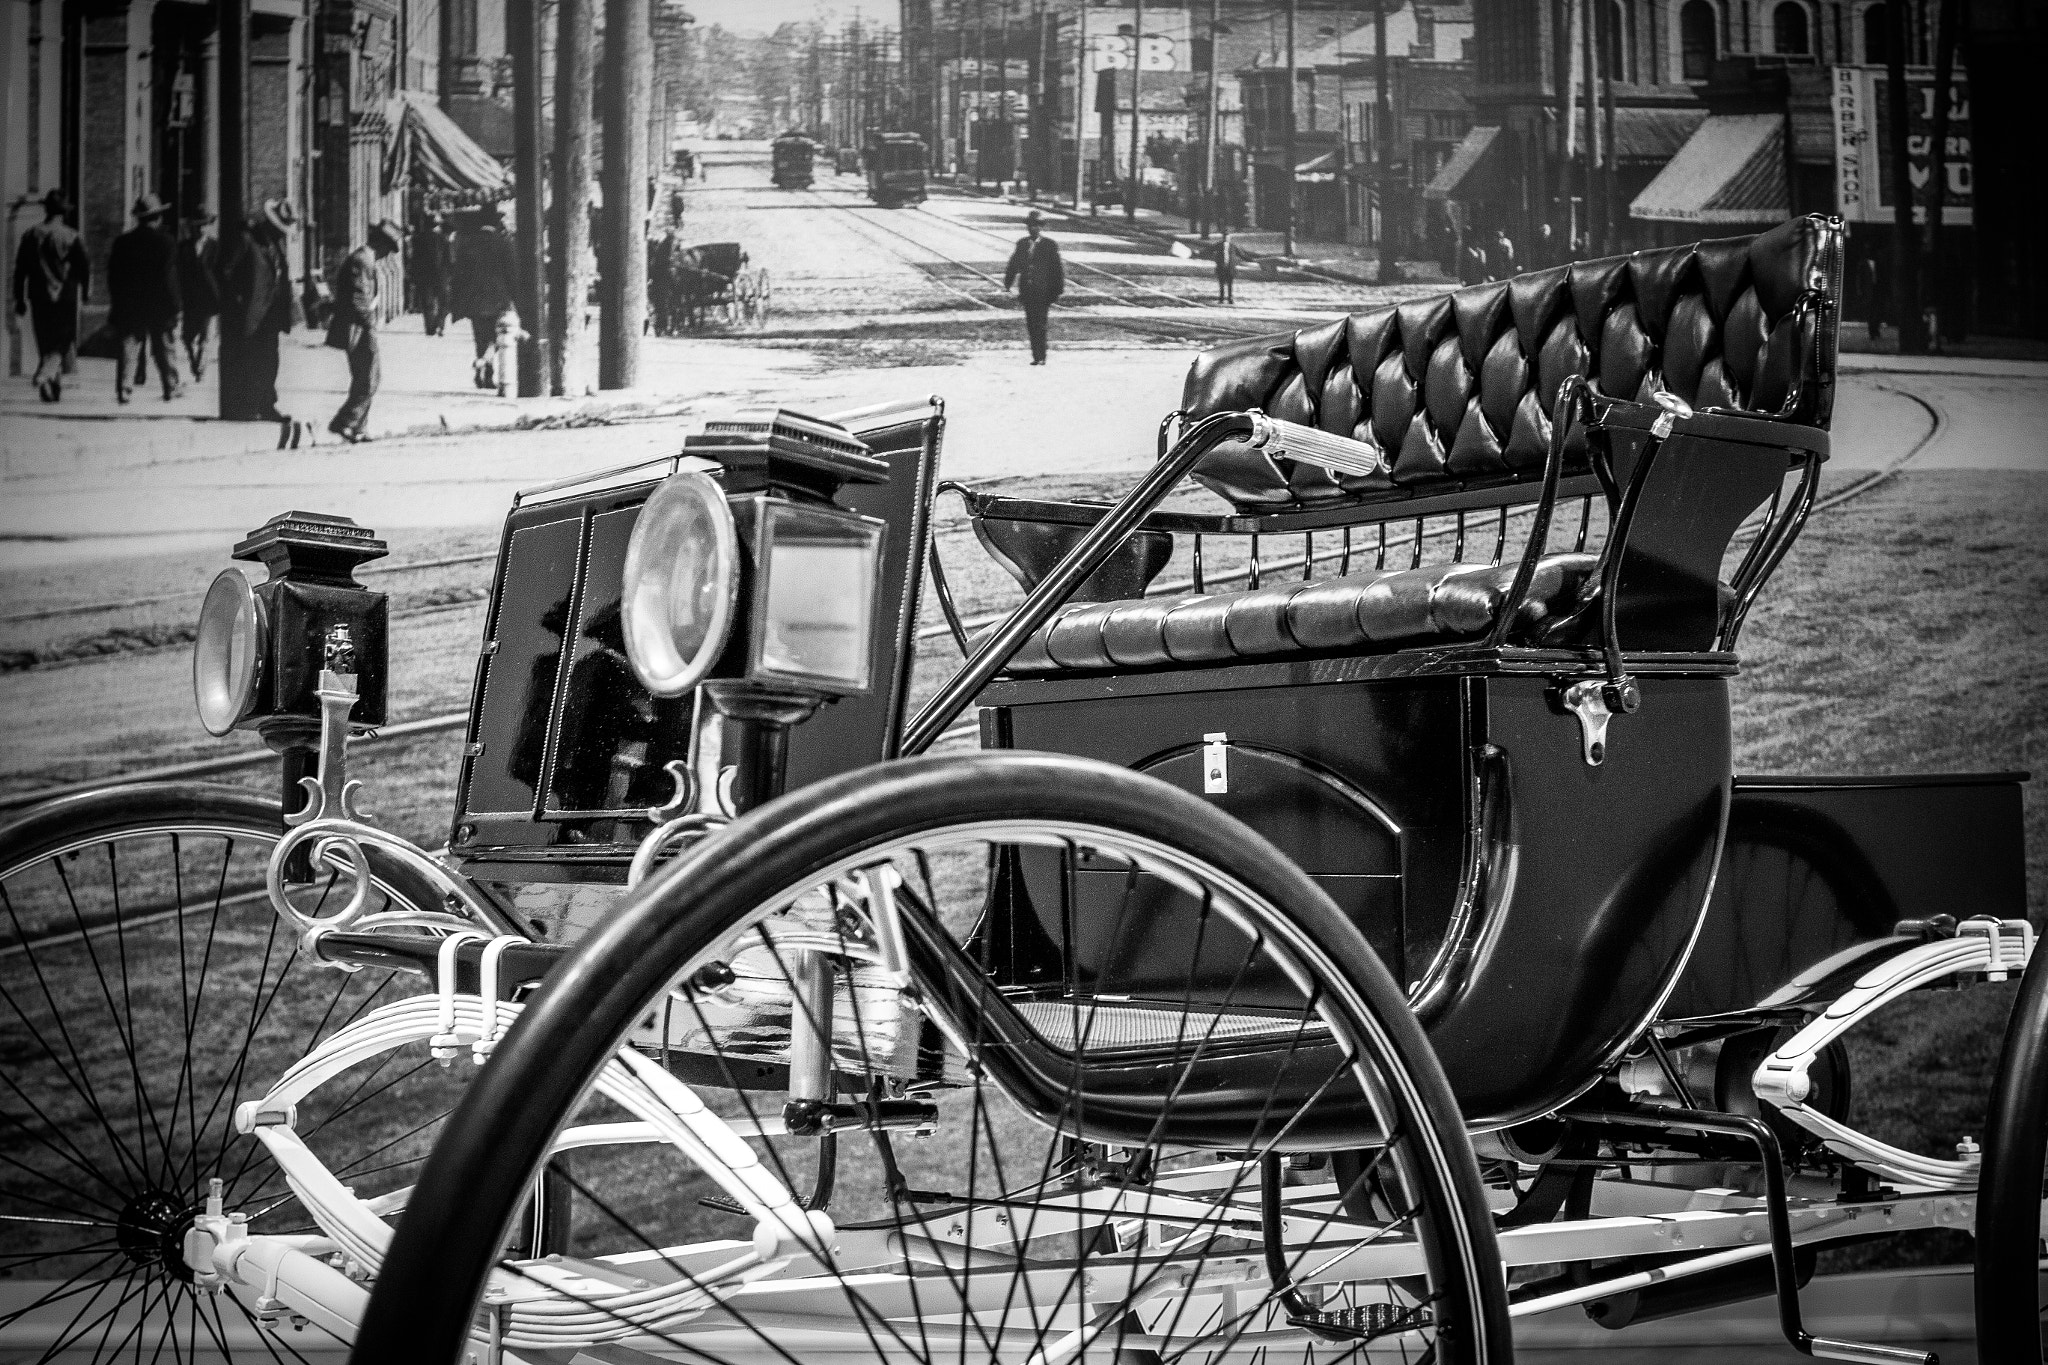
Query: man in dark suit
pixel 1036 274
pixel 51 273
pixel 144 299
pixel 256 309
pixel 485 276
pixel 198 292
pixel 353 328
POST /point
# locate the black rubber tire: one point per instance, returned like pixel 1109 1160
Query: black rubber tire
pixel 480 1172
pixel 2009 1300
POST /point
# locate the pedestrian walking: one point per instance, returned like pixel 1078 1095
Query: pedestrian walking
pixel 198 289
pixel 1038 277
pixel 1543 254
pixel 1500 258
pixel 1472 263
pixel 143 300
pixel 51 273
pixel 353 327
pixel 485 274
pixel 1228 254
pixel 256 309
pixel 430 272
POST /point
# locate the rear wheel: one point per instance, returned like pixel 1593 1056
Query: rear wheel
pixel 1127 1159
pixel 147 989
pixel 2012 1197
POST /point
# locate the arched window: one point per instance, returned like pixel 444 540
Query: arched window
pixel 1615 42
pixel 1698 44
pixel 1877 36
pixel 1788 29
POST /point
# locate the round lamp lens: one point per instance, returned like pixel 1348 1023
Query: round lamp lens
pixel 682 581
pixel 228 655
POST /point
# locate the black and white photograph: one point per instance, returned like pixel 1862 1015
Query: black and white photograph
pixel 1023 682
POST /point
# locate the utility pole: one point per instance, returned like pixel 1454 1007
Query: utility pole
pixel 1293 93
pixel 522 24
pixel 568 264
pixel 234 173
pixel 1081 93
pixel 1383 139
pixel 1215 121
pixel 1948 20
pixel 1905 247
pixel 623 266
pixel 982 82
pixel 1137 86
pixel 1590 17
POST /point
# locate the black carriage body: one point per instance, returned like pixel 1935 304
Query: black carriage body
pixel 1540 905
pixel 896 164
pixel 790 161
pixel 566 750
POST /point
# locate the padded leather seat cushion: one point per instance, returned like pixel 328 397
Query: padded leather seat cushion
pixel 1359 613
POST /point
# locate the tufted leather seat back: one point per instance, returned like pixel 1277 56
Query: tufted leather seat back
pixel 1458 388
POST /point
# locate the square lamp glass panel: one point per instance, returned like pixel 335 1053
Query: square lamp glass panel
pixel 821 569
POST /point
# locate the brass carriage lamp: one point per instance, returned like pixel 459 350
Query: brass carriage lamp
pixel 744 576
pixel 262 647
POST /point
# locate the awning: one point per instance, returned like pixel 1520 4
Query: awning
pixel 1731 170
pixel 1650 134
pixel 1318 170
pixel 431 152
pixel 1451 176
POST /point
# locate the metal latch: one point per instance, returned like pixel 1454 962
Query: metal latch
pixel 1595 702
pixel 1215 764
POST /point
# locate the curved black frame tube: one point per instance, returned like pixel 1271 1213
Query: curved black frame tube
pixel 1784 1260
pixel 1089 554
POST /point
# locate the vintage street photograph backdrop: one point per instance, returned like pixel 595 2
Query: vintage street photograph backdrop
pixel 394 263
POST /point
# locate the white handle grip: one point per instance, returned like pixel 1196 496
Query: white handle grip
pixel 1339 454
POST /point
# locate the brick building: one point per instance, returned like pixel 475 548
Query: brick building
pixel 1335 112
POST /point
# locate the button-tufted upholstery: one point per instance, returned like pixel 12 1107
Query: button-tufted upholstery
pixel 1457 390
pixel 1460 387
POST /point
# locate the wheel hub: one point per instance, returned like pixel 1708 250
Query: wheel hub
pixel 151 1231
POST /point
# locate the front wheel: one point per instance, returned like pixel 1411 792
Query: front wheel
pixel 902 1067
pixel 147 990
pixel 2012 1195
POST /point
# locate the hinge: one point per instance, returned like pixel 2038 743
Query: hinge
pixel 1215 764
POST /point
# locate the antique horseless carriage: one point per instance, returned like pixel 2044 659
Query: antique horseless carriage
pixel 896 166
pixel 686 285
pixel 1351 939
pixel 790 159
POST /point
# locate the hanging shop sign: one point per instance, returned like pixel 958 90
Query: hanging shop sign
pixel 1864 188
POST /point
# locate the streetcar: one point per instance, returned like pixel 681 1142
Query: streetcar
pixel 790 159
pixel 1347 935
pixel 896 164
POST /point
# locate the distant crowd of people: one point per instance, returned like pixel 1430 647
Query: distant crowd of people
pixel 1496 257
pixel 166 288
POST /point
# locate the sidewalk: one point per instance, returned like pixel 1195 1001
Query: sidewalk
pixel 427 388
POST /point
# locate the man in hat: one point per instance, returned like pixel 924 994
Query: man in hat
pixel 144 299
pixel 256 309
pixel 353 328
pixel 51 272
pixel 198 289
pixel 1039 279
pixel 485 273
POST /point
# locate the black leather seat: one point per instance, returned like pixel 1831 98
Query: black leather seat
pixel 1455 392
pixel 1359 613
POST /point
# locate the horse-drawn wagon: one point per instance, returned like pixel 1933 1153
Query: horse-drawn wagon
pixel 1353 950
pixel 687 285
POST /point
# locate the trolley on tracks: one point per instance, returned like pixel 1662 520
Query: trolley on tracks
pixel 896 166
pixel 790 161
pixel 1358 950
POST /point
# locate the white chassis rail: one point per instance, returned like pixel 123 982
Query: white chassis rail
pixel 777 1281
